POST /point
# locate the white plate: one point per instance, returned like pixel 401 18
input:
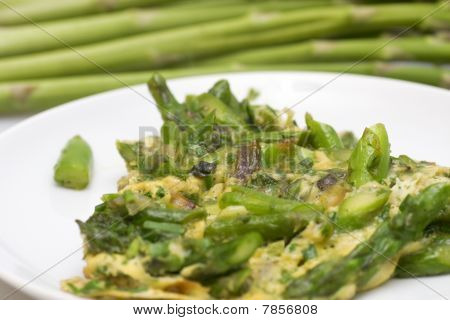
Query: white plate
pixel 38 237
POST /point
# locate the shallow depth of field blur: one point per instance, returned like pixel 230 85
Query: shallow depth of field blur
pixel 54 51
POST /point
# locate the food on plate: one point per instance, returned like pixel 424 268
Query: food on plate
pixel 73 169
pixel 236 200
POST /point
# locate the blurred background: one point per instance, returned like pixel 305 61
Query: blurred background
pixel 55 51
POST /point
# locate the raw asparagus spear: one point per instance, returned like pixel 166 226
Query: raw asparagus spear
pixel 433 259
pixel 205 40
pixel 37 11
pixel 423 48
pixel 323 135
pixel 166 48
pixel 363 267
pixel 36 95
pixel 78 31
pixel 73 169
pixel 265 4
pixel 26 39
pixel 370 161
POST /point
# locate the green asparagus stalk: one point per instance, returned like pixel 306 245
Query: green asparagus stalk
pixel 78 31
pixel 129 151
pixel 149 51
pixel 433 259
pixel 73 169
pixel 272 227
pixel 432 49
pixel 266 3
pixel 359 209
pixel 38 11
pixel 225 257
pixel 222 91
pixel 362 268
pixel 232 285
pixel 224 115
pixel 164 260
pixel 162 230
pixel 156 50
pixel 205 259
pixel 261 203
pixel 167 104
pixel 13 2
pixel 171 215
pixel 323 135
pixel 370 159
pixel 142 209
pixel 298 137
pixel 36 95
pixel 274 218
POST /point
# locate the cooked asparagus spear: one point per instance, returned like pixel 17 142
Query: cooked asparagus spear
pixel 222 91
pixel 271 226
pixel 203 259
pixel 143 209
pixel 322 135
pixel 371 158
pixel 129 151
pixel 232 285
pixel 433 259
pixel 362 268
pixel 167 104
pixel 272 217
pixel 222 112
pixel 73 169
pixel 165 256
pixel 260 203
pixel 171 215
pixel 225 257
pixel 358 209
